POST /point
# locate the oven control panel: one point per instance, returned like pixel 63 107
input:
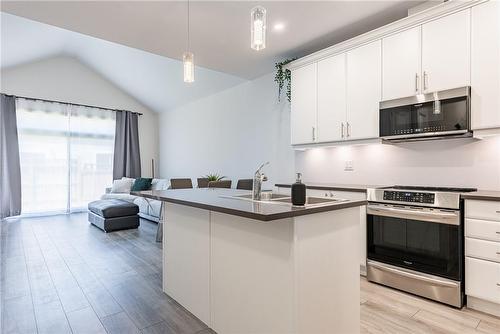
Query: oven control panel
pixel 405 196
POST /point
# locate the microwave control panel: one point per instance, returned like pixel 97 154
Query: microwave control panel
pixel 405 196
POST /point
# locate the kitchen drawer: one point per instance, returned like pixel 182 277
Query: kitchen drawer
pixel 489 210
pixel 486 250
pixel 482 279
pixel 482 229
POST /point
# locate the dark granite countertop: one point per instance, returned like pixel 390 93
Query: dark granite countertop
pixel 214 200
pixel 486 195
pixel 333 186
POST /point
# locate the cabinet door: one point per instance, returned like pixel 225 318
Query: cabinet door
pixel 401 74
pixel 364 85
pixel 304 112
pixel 331 98
pixel 445 52
pixel 485 65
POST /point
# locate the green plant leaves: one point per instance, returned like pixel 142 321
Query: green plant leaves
pixel 282 76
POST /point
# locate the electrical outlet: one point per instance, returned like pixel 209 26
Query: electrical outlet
pixel 349 166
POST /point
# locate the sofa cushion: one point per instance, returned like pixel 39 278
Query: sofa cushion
pixel 159 184
pixel 122 186
pixel 141 183
pixel 113 208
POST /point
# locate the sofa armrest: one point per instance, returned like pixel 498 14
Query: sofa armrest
pixel 108 190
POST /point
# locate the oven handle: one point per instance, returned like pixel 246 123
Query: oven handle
pixel 450 218
pixel 408 274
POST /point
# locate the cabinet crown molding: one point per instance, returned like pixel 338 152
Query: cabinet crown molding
pixel 419 18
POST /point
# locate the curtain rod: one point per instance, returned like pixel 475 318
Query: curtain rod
pixel 74 104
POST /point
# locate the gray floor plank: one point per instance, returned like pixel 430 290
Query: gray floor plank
pixel 18 316
pixel 50 319
pixel 119 323
pixel 102 302
pixel 85 321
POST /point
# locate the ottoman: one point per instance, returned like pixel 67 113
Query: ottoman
pixel 113 214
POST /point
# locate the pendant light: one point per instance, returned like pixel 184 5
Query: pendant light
pixel 258 28
pixel 188 57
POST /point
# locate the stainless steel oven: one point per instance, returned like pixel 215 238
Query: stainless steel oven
pixel 440 114
pixel 415 241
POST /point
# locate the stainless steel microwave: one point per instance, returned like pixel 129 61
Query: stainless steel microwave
pixel 437 115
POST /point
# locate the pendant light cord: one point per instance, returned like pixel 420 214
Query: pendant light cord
pixel 188 26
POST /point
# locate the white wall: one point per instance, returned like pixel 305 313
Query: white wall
pixel 231 132
pixel 66 79
pixel 460 162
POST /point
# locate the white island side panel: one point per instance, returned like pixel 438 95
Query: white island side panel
pixel 186 258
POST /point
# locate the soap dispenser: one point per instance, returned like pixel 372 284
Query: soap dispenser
pixel 298 191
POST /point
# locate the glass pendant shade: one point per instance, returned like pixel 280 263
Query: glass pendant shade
pixel 188 62
pixel 258 28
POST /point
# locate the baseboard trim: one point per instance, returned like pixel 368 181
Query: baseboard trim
pixel 483 306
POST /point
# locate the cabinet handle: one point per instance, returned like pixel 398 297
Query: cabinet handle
pixel 314 133
pixel 498 253
pixel 498 211
pixel 425 80
pixel 416 83
pixel 498 284
pixel 342 130
pixel 498 232
pixel 348 132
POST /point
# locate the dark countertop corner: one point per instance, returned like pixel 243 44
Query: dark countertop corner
pixel 485 195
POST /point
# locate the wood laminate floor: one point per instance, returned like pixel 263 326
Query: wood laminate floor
pixel 61 275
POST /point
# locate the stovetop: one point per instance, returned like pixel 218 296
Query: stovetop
pixel 437 197
pixel 431 189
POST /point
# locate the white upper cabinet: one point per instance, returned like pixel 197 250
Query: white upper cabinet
pixel 304 104
pixel 364 90
pixel 401 70
pixel 332 98
pixel 445 52
pixel 485 66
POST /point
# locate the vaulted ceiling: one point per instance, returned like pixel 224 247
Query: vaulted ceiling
pixel 138 44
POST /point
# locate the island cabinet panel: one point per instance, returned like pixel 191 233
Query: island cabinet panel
pixel 485 66
pixel 252 275
pixel 186 258
pixel 332 236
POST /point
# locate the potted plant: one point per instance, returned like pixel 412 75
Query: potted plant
pixel 214 177
pixel 284 76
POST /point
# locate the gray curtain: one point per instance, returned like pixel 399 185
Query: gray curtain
pixel 10 169
pixel 127 158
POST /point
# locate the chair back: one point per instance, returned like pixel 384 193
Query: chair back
pixel 220 184
pixel 245 184
pixel 202 182
pixel 181 183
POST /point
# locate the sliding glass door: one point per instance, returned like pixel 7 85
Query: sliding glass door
pixel 66 154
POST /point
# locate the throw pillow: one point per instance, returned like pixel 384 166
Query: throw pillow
pixel 141 184
pixel 122 186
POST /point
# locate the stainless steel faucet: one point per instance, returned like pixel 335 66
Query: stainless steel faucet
pixel 258 178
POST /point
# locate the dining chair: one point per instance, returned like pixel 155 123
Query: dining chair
pixel 220 184
pixel 202 182
pixel 245 184
pixel 181 183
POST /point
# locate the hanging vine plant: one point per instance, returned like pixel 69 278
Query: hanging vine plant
pixel 282 77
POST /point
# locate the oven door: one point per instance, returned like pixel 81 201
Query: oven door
pixel 427 240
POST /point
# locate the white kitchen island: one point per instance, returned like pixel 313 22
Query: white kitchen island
pixel 247 267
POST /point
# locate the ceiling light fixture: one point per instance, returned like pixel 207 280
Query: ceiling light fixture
pixel 258 28
pixel 279 26
pixel 188 57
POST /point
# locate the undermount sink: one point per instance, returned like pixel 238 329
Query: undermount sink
pixel 270 197
pixel 265 196
pixel 313 200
